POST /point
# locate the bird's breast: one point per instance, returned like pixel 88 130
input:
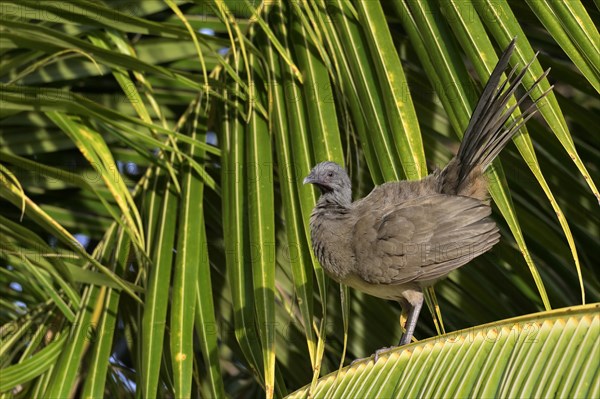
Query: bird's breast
pixel 331 244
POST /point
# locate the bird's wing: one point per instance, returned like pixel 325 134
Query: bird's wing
pixel 422 239
pixel 398 192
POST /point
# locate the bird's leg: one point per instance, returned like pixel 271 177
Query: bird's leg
pixel 413 308
pixel 405 305
pixel 411 304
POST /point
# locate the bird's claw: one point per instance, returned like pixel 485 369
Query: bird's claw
pixel 358 360
pixel 376 355
pixel 381 351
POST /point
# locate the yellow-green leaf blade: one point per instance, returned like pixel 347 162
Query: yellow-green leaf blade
pixel 400 110
pixel 262 236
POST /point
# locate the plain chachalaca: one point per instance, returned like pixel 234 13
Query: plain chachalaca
pixel 406 235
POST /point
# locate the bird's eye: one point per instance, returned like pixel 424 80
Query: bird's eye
pixel 330 174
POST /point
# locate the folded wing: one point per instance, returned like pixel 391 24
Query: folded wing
pixel 422 239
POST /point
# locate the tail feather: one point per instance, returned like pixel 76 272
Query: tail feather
pixel 486 134
pixel 506 134
pixel 485 102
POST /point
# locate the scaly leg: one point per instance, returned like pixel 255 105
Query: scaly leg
pixel 414 308
pixel 411 304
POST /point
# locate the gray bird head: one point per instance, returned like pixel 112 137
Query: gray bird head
pixel 332 180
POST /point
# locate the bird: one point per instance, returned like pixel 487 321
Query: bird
pixel 406 235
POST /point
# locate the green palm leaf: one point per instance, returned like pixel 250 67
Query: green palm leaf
pixel 518 357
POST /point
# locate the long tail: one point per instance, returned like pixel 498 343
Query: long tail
pixel 486 134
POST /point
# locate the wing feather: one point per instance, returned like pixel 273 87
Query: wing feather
pixel 421 239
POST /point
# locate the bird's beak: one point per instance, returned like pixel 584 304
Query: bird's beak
pixel 309 179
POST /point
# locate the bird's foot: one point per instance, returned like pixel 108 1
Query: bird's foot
pixel 358 360
pixel 381 351
pixel 376 355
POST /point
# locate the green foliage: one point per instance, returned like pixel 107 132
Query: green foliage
pixel 497 360
pixel 154 225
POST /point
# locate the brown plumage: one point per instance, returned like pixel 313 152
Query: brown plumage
pixel 406 235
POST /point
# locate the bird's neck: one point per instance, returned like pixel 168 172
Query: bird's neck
pixel 335 200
